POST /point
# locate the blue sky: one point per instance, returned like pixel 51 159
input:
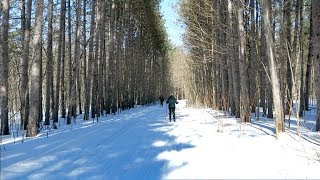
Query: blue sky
pixel 174 27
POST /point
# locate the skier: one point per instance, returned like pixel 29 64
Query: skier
pixel 171 101
pixel 161 100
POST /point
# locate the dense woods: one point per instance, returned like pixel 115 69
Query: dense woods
pixel 63 58
pixel 250 55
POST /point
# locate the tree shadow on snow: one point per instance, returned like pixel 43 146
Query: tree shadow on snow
pixel 126 146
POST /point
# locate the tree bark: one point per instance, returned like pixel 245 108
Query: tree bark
pixel 90 61
pixel 85 64
pixel 263 79
pixel 309 66
pixel 4 60
pixel 32 128
pixel 94 92
pixel 234 74
pixel 24 64
pixel 288 53
pixel 76 69
pixel 301 90
pixel 60 58
pixel 70 79
pixel 244 91
pixel 49 64
pixel 316 54
pixel 275 81
pixel 63 61
pixel 252 58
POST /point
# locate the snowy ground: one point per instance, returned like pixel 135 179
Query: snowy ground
pixel 141 144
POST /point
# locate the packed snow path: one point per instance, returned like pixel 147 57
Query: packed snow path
pixel 141 144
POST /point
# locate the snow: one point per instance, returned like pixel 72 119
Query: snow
pixel 140 143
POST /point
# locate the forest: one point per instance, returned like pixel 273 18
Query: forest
pixel 62 58
pixel 252 56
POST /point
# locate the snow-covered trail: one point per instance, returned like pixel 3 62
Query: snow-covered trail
pixel 119 146
pixel 141 144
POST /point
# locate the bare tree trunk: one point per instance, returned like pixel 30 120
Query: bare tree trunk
pixel 234 74
pixel 282 53
pixel 76 69
pixel 252 58
pixel 102 56
pixel 40 116
pixel 69 65
pixel 85 84
pixel 112 61
pixel 294 54
pixel 273 70
pixel 301 91
pixel 90 61
pixel 63 86
pixel 309 67
pixel 49 65
pixel 221 58
pixel 32 128
pixel 263 78
pixel 94 92
pixel 60 58
pixel 244 91
pixel 316 54
pixel 289 62
pixel 24 90
pixel 4 60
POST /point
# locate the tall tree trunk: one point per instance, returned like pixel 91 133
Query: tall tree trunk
pixel 275 81
pixel 244 91
pixel 94 93
pixel 76 69
pixel 113 80
pixel 252 58
pixel 301 90
pixel 282 53
pixel 295 64
pixel 49 65
pixel 234 74
pixel 32 128
pixel 70 79
pixel 40 116
pixel 90 60
pixel 309 66
pixel 263 79
pixel 24 63
pixel 102 55
pixel 84 36
pixel 110 58
pixel 4 60
pixel 63 61
pixel 60 58
pixel 316 54
pixel 289 60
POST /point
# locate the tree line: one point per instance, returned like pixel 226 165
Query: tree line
pixel 249 54
pixel 62 58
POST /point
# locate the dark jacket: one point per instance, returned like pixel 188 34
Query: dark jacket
pixel 171 101
pixel 161 98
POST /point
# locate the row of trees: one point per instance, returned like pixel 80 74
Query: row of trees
pixel 253 53
pixel 92 57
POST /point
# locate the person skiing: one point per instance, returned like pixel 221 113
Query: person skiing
pixel 161 99
pixel 171 101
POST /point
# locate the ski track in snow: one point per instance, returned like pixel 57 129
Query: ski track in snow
pixel 140 143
